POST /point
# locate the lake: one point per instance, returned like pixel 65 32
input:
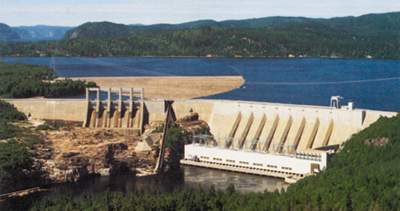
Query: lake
pixel 372 84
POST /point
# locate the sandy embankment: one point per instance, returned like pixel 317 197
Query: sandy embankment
pixel 180 87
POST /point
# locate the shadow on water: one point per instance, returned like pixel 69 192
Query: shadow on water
pixel 186 177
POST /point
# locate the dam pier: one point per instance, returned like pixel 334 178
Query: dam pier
pixel 126 111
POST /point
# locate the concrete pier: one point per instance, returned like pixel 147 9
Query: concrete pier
pixel 114 114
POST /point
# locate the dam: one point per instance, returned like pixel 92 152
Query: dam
pixel 272 139
pixel 125 112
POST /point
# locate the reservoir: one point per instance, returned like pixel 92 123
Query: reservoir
pixel 372 84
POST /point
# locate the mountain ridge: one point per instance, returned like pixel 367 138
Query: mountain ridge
pixel 367 36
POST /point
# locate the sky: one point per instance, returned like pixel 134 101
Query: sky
pixel 76 12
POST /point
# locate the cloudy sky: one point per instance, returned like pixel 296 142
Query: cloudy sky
pixel 75 12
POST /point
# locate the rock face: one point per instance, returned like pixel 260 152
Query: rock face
pixel 73 154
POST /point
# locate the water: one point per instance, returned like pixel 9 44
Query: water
pixel 372 84
pixel 189 177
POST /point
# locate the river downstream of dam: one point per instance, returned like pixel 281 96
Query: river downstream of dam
pixel 186 177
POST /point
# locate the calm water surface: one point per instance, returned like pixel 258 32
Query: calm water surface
pixel 373 84
pixel 188 177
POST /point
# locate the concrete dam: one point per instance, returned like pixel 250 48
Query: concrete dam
pixel 280 140
pixel 124 112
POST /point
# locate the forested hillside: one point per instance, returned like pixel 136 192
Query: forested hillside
pixel 41 32
pixel 372 36
pixel 364 175
pixel 7 34
pixel 22 81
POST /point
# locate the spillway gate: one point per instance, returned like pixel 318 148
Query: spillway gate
pixel 114 108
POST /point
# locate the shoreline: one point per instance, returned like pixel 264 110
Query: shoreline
pixel 205 57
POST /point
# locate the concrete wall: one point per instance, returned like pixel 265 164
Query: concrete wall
pixel 53 109
pixel 265 127
pixel 288 128
pixel 155 109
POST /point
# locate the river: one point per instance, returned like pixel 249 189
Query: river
pixel 187 177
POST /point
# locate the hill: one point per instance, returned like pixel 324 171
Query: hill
pixel 7 34
pixel 41 32
pixel 371 36
pixel 98 30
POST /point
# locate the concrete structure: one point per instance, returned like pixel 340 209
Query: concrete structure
pixel 52 109
pixel 296 165
pixel 262 132
pixel 124 112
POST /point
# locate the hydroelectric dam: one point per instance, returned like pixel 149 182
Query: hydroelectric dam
pixel 272 139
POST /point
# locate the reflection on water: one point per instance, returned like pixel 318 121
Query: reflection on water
pixel 195 176
pixel 187 177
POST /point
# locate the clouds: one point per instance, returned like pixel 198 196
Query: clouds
pixel 74 12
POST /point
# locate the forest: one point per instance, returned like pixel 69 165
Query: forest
pixel 368 36
pixel 23 81
pixel 362 176
pixel 17 169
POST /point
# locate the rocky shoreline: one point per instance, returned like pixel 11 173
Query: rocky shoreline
pixel 68 155
pixel 72 153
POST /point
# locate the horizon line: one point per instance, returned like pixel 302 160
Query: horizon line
pixel 204 19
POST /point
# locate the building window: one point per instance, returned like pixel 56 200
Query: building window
pixel 230 161
pixel 257 164
pixel 272 166
pixel 218 159
pixel 204 157
pixel 286 168
pixel 243 162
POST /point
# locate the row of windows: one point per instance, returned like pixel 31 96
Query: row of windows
pixel 255 168
pixel 246 163
pixel 309 158
pixel 286 168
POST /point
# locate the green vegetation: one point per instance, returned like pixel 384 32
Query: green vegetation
pixel 9 113
pixel 374 35
pixel 364 175
pixel 7 33
pixel 17 168
pixel 174 145
pixel 20 81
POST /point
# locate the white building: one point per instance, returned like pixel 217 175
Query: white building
pixel 277 165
